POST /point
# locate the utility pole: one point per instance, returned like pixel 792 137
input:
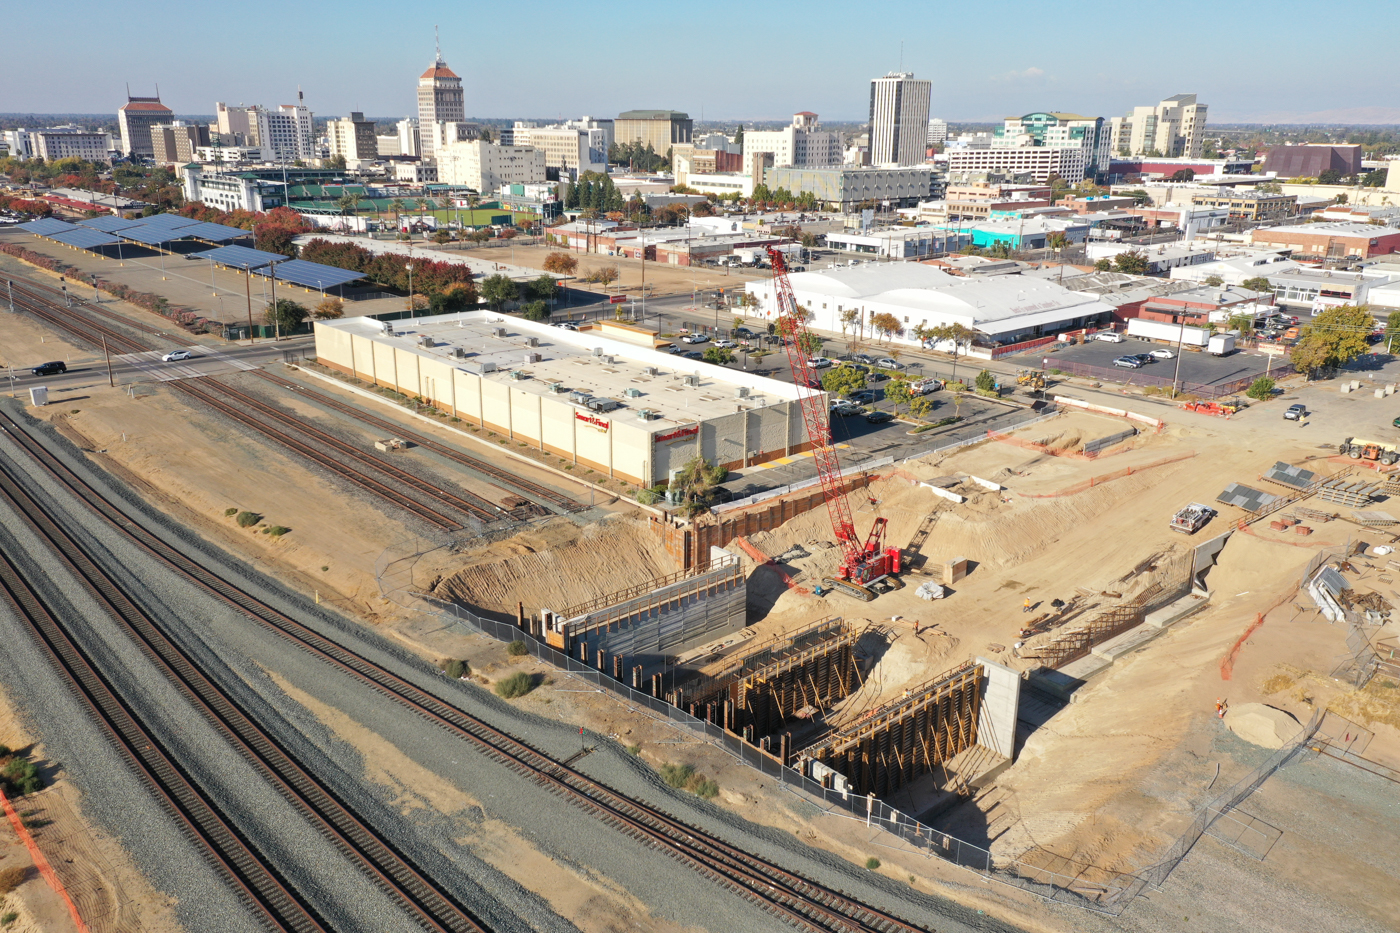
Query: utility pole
pixel 248 282
pixel 1181 338
pixel 276 319
pixel 110 381
pixel 10 289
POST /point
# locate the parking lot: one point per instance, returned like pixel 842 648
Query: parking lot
pixel 1196 366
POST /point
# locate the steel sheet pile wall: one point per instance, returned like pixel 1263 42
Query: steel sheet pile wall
pixel 898 744
pixel 759 700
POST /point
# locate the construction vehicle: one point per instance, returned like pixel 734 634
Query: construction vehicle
pixel 865 562
pixel 1192 518
pixel 1033 378
pixel 1358 448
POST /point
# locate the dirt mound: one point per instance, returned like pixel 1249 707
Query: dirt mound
pixel 558 565
pixel 1262 725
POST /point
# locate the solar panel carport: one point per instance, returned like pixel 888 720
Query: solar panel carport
pixel 46 226
pixel 84 238
pixel 110 224
pixel 239 257
pixel 314 274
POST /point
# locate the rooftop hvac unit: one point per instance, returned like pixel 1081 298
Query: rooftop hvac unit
pixel 426 341
pixel 645 414
pixel 532 357
pixel 609 360
pixel 742 391
pixel 532 341
pixel 488 367
pixel 519 374
pixel 649 370
pixel 459 353
pixel 690 380
pixel 498 331
pixel 632 392
pixel 597 351
pixel 579 396
pixel 557 388
pixel 388 327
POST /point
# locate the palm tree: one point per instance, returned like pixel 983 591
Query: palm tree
pixel 346 204
pixel 421 204
pixel 397 207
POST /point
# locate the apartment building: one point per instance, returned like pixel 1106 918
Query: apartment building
pixel 353 137
pixel 804 142
pixel 485 167
pixel 1174 127
pixel 72 142
pixel 178 142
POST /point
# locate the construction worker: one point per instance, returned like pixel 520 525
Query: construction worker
pixel 1026 607
pixel 1221 706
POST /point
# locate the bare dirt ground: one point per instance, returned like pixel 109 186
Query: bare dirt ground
pixel 112 896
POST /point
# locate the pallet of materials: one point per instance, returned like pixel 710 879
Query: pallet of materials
pixel 1348 492
pixel 1374 519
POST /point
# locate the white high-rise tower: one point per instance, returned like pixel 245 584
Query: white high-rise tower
pixel 899 105
pixel 439 101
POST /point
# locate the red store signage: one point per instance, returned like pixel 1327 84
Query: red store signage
pixel 678 433
pixel 602 424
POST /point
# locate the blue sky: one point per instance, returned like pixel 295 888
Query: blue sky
pixel 1250 61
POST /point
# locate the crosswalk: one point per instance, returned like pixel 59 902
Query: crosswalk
pixel 203 362
pixel 784 461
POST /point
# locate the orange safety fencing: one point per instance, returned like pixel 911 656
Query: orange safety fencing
pixel 1227 663
pixel 767 561
pixel 40 862
pixel 1093 481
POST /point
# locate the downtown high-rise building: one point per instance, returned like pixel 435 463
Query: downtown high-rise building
pixel 899 105
pixel 135 120
pixel 439 101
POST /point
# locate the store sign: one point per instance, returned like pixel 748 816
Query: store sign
pixel 691 431
pixel 602 424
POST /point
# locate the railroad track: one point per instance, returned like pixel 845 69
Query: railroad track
pixel 497 474
pixel 76 325
pixel 798 900
pixel 387 868
pixel 256 883
pixel 376 477
pixel 54 296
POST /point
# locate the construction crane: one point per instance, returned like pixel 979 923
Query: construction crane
pixel 863 562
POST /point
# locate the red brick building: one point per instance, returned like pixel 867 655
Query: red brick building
pixel 1330 240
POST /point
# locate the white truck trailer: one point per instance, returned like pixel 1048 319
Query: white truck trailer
pixel 1168 333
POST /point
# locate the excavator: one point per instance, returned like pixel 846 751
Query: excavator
pixel 865 564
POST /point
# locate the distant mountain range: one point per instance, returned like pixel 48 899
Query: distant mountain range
pixel 1342 116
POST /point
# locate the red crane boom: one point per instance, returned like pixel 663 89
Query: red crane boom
pixel 863 561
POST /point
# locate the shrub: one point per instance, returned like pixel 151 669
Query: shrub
pixel 248 519
pixel 457 669
pixel 11 878
pixel 957 387
pixel 21 777
pixel 872 863
pixel 517 649
pixel 706 788
pixel 1262 389
pixel 634 749
pixel 9 918
pixel 230 512
pixel 675 775
pixel 516 685
pixel 276 531
pixel 986 382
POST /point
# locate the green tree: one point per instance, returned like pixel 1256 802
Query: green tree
pixel 397 206
pixel 886 324
pixel 1375 179
pixel 809 343
pixel 719 356
pixel 346 204
pixel 694 484
pixel 1334 338
pixel 543 288
pixel 1258 284
pixel 1242 322
pixel 1131 262
pixel 286 315
pixel 899 393
pixel 457 297
pixel 843 380
pixel 1103 265
pixel 1329 176
pixel 739 137
pixel 535 311
pixel 1261 389
pixel 959 335
pixel 1185 174
pixel 498 290
pixel 336 162
pixel 985 381
pixel 1392 329
pixel 1214 281
pixel 920 407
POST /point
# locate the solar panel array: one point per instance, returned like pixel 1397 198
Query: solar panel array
pixel 110 223
pixel 45 226
pixel 314 274
pixel 1288 475
pixel 151 234
pixel 240 257
pixel 84 238
pixel 214 233
pixel 1251 500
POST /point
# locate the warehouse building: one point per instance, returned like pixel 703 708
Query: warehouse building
pixel 618 407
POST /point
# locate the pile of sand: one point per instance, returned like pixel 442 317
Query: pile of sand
pixel 558 565
pixel 1261 725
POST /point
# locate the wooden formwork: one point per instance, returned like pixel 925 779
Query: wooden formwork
pixel 905 740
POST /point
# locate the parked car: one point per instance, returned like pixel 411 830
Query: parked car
pixel 1128 362
pixel 819 362
pixel 889 363
pixel 743 333
pixel 1163 354
pixel 50 369
pixel 876 376
pixel 1296 413
pixel 858 367
pixel 1110 336
pixel 844 409
pixel 863 397
pixel 567 325
pixel 1144 357
pixel 694 338
pixel 879 417
pixel 693 355
pixel 725 344
pixel 175 355
pixel 862 358
pixel 925 386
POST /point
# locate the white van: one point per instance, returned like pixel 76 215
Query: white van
pixel 1110 336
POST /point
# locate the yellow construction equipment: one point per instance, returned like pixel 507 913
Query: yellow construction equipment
pixel 1033 378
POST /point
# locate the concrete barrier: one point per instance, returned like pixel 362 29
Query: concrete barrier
pixel 946 494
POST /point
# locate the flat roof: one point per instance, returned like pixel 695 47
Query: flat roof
pixel 1339 228
pixel 567 358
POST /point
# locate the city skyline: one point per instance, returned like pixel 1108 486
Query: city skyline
pixel 364 61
